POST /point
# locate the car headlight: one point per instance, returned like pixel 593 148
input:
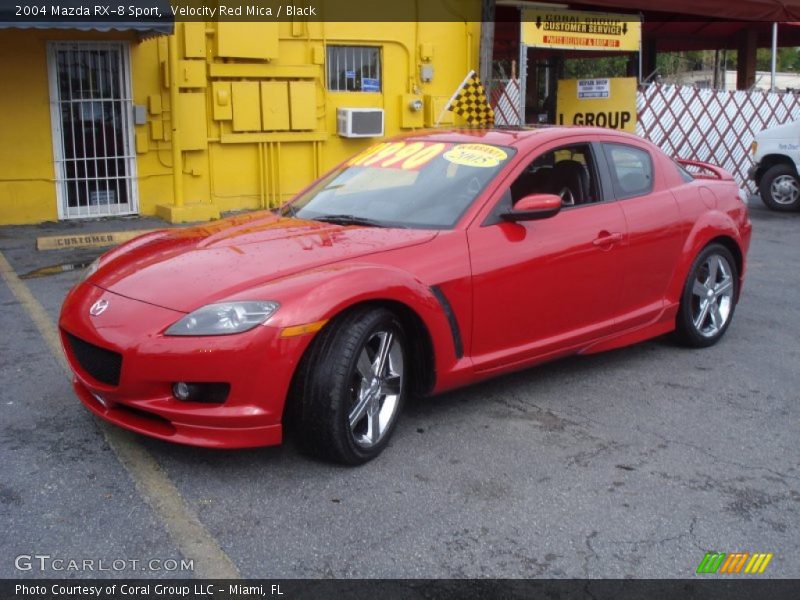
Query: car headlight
pixel 91 269
pixel 224 318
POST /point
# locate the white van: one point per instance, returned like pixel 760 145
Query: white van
pixel 776 153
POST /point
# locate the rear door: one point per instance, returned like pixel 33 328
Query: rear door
pixel 655 230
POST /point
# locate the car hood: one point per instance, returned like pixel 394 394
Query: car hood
pixel 184 269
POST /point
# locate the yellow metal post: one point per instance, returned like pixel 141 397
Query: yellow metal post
pixel 178 211
pixel 177 157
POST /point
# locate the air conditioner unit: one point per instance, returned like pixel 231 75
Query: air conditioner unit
pixel 359 122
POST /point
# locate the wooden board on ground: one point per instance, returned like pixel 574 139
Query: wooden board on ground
pixel 88 240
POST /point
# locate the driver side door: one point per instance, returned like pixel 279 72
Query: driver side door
pixel 543 287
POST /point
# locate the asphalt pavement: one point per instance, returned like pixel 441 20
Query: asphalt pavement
pixel 631 463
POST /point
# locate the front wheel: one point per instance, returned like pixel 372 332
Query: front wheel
pixel 709 297
pixel 780 188
pixel 354 386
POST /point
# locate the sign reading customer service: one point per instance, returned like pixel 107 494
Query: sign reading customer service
pixel 580 30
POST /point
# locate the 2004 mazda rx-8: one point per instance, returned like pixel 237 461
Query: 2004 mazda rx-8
pixel 420 265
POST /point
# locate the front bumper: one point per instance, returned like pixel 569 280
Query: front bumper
pixel 258 365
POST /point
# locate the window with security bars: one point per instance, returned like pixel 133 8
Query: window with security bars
pixel 92 128
pixel 354 68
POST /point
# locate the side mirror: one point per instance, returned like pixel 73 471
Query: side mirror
pixel 534 206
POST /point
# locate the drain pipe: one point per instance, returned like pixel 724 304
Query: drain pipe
pixel 177 156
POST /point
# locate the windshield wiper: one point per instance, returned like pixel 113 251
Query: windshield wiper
pixel 348 220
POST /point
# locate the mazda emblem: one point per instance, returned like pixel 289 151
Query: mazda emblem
pixel 99 307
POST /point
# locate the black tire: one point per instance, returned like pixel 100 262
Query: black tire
pixel 698 324
pixel 780 188
pixel 329 386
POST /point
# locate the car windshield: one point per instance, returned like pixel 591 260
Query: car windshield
pixel 415 184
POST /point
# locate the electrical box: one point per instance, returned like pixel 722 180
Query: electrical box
pixel 246 106
pixel 192 122
pixel 411 111
pixel 257 40
pixel 359 122
pixel 221 101
pixel 194 39
pixel 139 114
pixel 154 104
pixel 274 106
pixel 434 108
pixel 303 99
pixel 142 143
pixel 191 74
pixel 157 130
pixel 426 73
pixel 426 51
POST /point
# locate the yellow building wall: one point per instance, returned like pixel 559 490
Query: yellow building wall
pixel 230 160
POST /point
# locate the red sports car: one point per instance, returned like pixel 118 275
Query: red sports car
pixel 420 265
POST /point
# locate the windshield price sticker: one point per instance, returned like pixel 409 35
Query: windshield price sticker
pixel 475 155
pixel 398 155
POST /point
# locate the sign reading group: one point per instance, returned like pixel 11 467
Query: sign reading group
pixel 599 102
pixel 579 30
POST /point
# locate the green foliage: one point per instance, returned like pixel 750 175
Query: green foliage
pixel 604 66
pixel 788 59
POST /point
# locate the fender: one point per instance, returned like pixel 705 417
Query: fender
pixel 337 287
pixel 710 225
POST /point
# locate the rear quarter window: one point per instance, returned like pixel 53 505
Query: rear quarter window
pixel 631 170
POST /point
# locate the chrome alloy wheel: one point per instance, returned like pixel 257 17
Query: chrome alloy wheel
pixel 712 295
pixel 785 189
pixel 376 389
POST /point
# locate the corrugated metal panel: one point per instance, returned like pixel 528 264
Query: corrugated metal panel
pixel 146 26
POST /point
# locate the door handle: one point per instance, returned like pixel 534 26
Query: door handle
pixel 606 239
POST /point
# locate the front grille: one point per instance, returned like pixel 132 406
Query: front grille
pixel 104 365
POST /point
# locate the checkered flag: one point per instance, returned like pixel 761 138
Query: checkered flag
pixel 470 101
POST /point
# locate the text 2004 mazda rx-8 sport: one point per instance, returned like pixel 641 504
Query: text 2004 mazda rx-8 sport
pixel 420 265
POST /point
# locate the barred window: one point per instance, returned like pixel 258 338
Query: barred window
pixel 354 69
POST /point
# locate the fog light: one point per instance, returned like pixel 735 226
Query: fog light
pixel 181 390
pixel 201 391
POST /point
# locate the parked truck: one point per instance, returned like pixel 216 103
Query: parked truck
pixel 776 154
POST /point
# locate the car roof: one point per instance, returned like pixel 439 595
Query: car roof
pixel 518 136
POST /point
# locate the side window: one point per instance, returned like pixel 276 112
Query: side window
pixel 568 172
pixel 354 68
pixel 631 170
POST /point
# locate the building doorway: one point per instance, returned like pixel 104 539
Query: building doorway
pixel 92 122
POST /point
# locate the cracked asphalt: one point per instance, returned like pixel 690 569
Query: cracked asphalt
pixel 631 463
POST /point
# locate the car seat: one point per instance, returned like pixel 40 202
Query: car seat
pixel 570 180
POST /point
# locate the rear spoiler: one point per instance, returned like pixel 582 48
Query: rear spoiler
pixel 702 170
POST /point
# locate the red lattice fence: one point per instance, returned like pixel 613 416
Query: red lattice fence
pixel 709 125
pixel 504 98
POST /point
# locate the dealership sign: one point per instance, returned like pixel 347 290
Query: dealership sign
pixel 580 30
pixel 609 102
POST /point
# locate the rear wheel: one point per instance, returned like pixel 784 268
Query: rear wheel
pixel 780 188
pixel 709 297
pixel 353 387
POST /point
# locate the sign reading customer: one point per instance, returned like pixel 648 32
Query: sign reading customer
pixel 580 30
pixel 598 102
